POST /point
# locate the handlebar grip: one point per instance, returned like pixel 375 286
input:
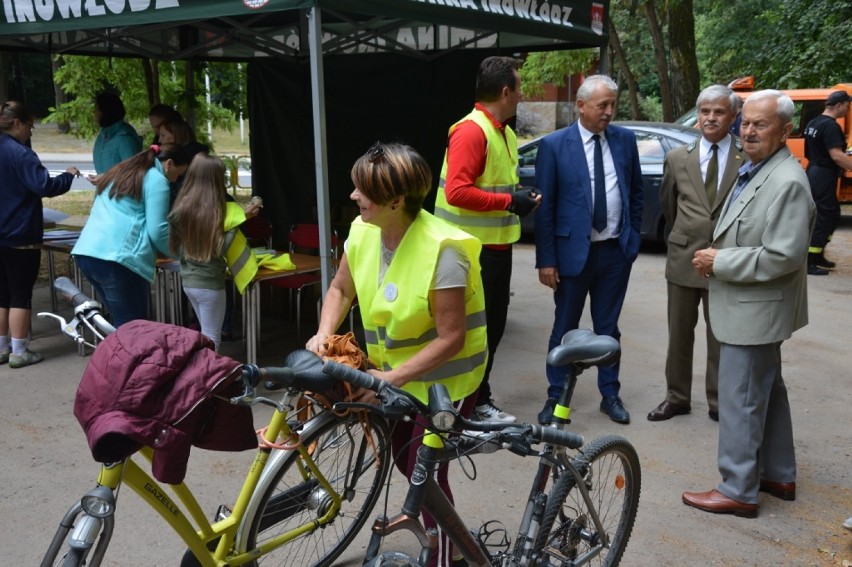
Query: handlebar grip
pixel 69 291
pixel 558 437
pixel 353 376
pixel 275 377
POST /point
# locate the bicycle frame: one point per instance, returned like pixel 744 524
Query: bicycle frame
pixel 185 515
pixel 426 494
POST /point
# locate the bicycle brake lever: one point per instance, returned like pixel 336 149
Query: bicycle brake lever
pixel 341 406
pixel 46 314
pixel 66 327
pixel 246 399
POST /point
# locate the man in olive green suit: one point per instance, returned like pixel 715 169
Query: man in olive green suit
pixel 757 267
pixel 696 181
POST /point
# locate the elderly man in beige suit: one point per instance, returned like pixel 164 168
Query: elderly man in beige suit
pixel 757 268
pixel 696 181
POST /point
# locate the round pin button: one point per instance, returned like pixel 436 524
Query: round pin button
pixel 391 292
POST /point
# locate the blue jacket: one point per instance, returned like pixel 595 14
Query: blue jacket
pixel 127 231
pixel 563 222
pixel 115 144
pixel 23 183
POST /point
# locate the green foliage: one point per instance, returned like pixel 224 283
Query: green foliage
pixel 813 50
pixel 553 67
pixel 638 46
pixel 784 44
pixel 82 78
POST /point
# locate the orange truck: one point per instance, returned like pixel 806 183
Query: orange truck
pixel 809 103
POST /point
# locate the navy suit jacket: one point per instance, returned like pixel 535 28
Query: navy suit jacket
pixel 563 222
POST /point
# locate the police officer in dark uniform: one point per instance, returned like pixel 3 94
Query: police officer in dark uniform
pixel 825 147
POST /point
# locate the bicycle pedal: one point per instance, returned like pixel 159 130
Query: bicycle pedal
pixel 222 512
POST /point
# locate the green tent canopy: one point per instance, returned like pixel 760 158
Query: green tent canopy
pixel 326 78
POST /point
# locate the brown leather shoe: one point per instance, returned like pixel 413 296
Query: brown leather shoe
pixel 782 490
pixel 717 503
pixel 668 410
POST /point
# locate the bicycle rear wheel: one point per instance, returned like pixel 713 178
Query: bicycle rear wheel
pixel 355 461
pixel 610 471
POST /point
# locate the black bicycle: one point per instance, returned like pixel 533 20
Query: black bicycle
pixel 586 517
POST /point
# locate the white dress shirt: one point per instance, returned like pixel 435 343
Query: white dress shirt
pixel 613 195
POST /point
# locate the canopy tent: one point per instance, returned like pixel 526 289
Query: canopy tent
pixel 398 70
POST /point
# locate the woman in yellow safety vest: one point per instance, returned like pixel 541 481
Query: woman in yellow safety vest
pixel 419 292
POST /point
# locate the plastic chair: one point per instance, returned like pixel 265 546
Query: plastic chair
pixel 304 238
pixel 258 232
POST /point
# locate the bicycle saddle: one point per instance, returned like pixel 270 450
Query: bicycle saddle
pixel 584 348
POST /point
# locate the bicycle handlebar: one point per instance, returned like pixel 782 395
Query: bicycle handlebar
pixel 353 376
pixel 87 312
pixel 398 404
pixel 69 291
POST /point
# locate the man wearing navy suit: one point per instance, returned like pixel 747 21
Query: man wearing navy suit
pixel 587 229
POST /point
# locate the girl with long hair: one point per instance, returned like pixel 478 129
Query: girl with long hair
pixel 203 226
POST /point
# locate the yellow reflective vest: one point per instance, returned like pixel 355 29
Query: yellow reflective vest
pixel 239 257
pixel 500 176
pixel 396 313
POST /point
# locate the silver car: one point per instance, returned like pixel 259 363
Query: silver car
pixel 654 140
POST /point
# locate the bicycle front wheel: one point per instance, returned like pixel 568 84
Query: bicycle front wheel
pixel 353 455
pixel 609 467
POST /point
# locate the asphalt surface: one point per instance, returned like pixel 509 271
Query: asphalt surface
pixel 47 465
pixel 58 162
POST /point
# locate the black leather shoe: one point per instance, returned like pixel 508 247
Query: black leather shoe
pixel 668 410
pixel 814 270
pixel 824 262
pixel 545 416
pixel 614 408
pixel 713 414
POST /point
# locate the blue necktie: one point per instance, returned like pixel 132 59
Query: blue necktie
pixel 599 209
pixel 743 177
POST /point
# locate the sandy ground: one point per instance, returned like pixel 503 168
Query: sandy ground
pixel 47 465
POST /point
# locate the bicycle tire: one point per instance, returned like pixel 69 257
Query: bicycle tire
pixel 290 500
pixel 610 468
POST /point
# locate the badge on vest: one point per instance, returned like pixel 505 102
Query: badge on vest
pixel 391 292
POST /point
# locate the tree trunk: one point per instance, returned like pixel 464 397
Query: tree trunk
pixel 684 63
pixel 660 56
pixel 58 94
pixel 150 70
pixel 633 88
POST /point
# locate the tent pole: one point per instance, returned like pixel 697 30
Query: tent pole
pixel 320 151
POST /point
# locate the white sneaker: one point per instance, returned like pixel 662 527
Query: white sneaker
pixel 848 523
pixel 489 412
pixel 21 360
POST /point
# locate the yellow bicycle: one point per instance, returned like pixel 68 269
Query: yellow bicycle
pixel 304 498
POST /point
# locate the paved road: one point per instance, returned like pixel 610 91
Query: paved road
pixel 46 463
pixel 57 163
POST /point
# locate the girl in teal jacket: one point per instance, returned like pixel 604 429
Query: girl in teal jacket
pixel 127 227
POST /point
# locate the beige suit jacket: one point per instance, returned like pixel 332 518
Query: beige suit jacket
pixel 758 290
pixel 689 213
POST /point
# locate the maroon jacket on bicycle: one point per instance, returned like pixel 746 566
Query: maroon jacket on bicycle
pixel 153 384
